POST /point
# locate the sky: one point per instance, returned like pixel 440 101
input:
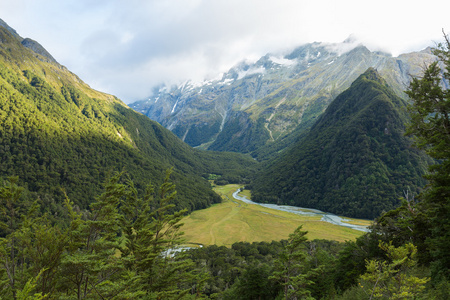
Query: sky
pixel 126 48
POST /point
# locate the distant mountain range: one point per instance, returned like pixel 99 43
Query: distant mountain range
pixel 355 160
pixel 57 134
pixel 330 138
pixel 256 105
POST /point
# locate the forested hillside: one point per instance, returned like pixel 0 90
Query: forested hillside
pixel 256 107
pixel 88 210
pixel 57 134
pixel 355 161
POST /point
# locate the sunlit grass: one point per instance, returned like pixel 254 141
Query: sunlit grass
pixel 234 221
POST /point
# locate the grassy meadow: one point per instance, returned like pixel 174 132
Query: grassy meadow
pixel 234 221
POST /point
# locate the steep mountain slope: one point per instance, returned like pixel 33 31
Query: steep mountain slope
pixel 259 104
pixel 57 133
pixel 355 161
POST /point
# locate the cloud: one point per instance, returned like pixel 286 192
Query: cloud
pixel 127 47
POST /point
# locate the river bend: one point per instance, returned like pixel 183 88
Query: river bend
pixel 326 217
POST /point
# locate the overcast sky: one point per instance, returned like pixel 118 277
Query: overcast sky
pixel 127 47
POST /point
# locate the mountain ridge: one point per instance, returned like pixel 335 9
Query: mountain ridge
pixel 354 161
pixel 59 134
pixel 272 96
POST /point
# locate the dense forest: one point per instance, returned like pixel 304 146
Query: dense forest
pixel 130 247
pixel 355 161
pixel 59 134
pixel 89 207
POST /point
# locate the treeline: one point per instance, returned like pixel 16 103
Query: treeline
pixel 127 247
pixel 375 264
pixel 248 271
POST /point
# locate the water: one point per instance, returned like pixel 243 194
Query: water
pixel 326 217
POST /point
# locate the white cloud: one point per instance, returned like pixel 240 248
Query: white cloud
pixel 127 47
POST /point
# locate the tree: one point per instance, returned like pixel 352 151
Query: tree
pixel 152 235
pixel 92 266
pixel 392 278
pixel 430 123
pixel 44 245
pixel 290 267
pixel 254 283
pixel 16 216
pixel 11 209
pixel 26 292
pixel 31 246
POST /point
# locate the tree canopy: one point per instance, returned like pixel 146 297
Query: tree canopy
pixel 430 123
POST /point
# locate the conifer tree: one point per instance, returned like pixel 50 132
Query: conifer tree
pixel 152 235
pixel 44 246
pixel 17 214
pixel 430 123
pixel 31 250
pixel 92 267
pixel 290 267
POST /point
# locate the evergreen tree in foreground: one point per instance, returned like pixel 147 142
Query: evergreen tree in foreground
pixel 430 123
pixel 153 237
pixel 122 248
pixel 393 279
pixel 290 267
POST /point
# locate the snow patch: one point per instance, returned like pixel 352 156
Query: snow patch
pixel 227 81
pixel 175 106
pixel 251 71
pixel 282 61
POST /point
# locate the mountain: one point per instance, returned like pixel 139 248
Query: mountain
pixel 57 134
pixel 257 105
pixel 355 161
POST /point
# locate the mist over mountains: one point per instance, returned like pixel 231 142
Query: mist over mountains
pixel 257 104
pixel 266 109
pixel 322 127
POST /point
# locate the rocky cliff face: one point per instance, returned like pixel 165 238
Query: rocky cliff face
pixel 29 43
pixel 37 48
pixel 257 104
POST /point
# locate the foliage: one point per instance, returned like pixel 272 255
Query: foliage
pixel 90 263
pixel 28 288
pixel 119 249
pixel 430 123
pixel 392 279
pixel 233 271
pixel 152 234
pixel 290 269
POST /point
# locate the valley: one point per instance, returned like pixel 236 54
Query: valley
pixel 94 195
pixel 234 221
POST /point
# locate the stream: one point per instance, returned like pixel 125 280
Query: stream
pixel 326 217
